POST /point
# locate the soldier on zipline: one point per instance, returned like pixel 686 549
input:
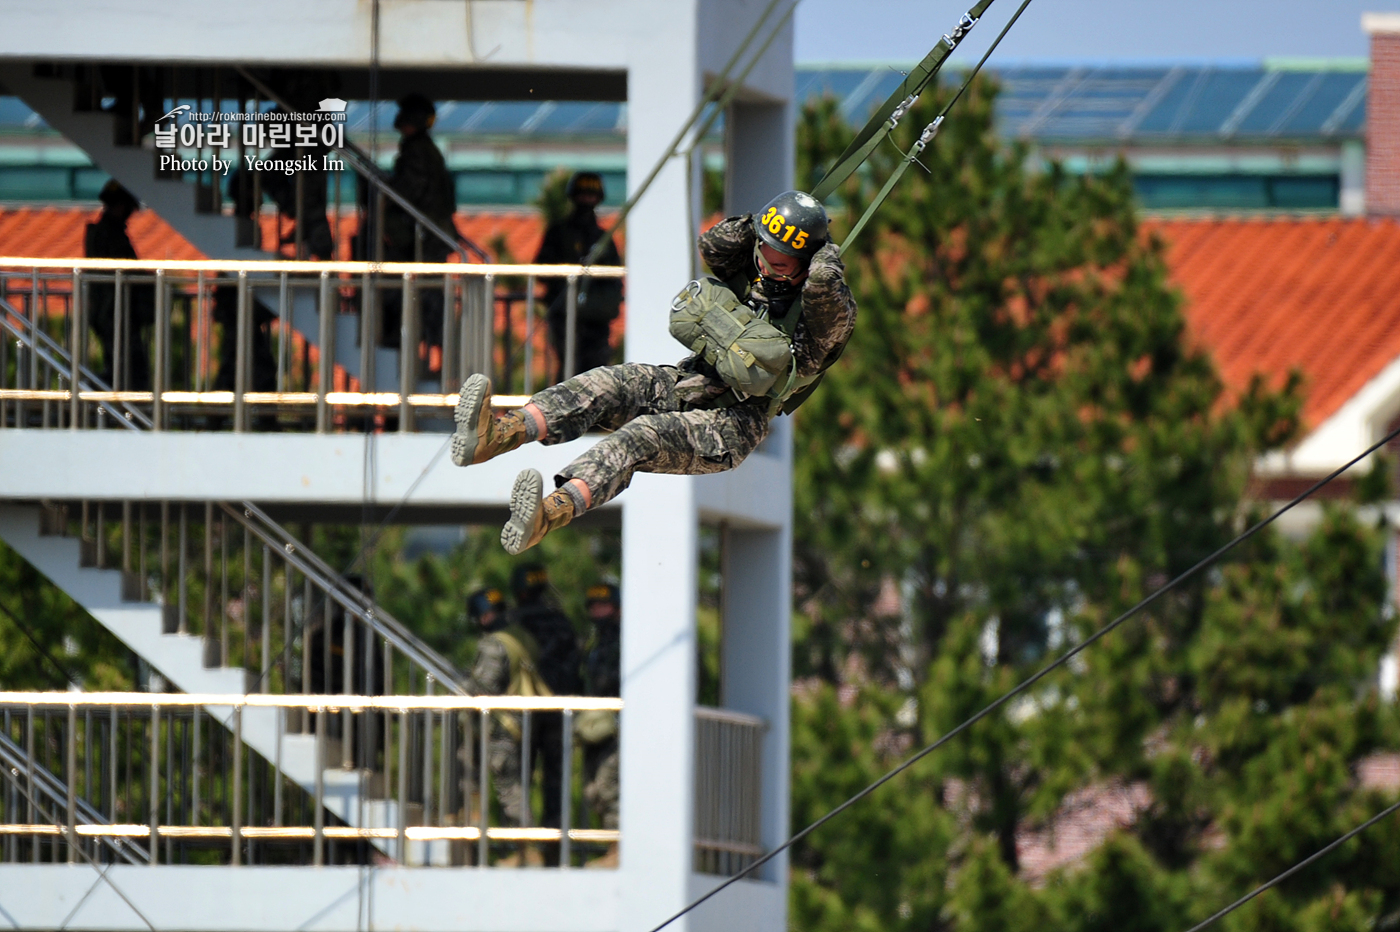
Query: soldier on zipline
pixel 762 333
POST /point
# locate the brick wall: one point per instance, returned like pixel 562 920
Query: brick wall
pixel 1383 122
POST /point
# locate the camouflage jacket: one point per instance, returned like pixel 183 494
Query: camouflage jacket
pixel 828 310
pixel 491 672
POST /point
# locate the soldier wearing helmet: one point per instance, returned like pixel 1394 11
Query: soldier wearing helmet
pixel 420 174
pixel 107 238
pixel 566 242
pixel 776 267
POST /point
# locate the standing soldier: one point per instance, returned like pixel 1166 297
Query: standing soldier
pixel 106 238
pixel 762 334
pixel 506 664
pixel 567 242
pixel 598 730
pixel 421 176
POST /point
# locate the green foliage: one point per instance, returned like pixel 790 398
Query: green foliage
pixel 712 190
pixel 873 871
pixel 553 199
pixel 47 642
pixel 1022 442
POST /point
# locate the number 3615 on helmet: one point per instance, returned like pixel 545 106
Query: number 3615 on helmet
pixel 794 223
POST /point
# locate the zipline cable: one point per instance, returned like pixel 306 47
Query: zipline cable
pixel 1040 675
pixel 898 103
pixel 928 134
pixel 721 85
pixel 1389 810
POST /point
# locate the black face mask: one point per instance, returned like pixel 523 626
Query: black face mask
pixel 775 289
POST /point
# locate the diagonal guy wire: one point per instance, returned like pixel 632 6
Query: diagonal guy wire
pixel 102 874
pixel 1389 810
pixel 1041 674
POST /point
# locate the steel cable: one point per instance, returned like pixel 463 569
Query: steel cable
pixel 929 132
pixel 1044 672
pixel 1389 810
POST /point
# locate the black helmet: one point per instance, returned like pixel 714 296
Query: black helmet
pixel 528 582
pixel 484 602
pixel 794 223
pixel 115 196
pixel 585 183
pixel 415 109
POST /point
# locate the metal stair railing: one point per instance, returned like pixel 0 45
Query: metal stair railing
pixel 443 792
pixel 28 784
pixel 197 381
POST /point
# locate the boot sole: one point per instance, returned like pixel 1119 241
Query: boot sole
pixel 476 391
pixel 526 500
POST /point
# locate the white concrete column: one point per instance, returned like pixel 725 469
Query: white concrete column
pixel 1353 178
pixel 659 527
pixel 758 658
pixel 759 155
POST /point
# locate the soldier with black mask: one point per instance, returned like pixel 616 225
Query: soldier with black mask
pixel 567 242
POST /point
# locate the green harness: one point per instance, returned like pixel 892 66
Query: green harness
pixel 752 353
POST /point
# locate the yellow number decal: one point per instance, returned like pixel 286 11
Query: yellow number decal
pixel 775 226
pixel 800 239
pixel 788 233
pixel 768 216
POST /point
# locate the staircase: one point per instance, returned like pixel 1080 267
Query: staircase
pixel 51 798
pixel 93 131
pixel 146 627
pixel 158 630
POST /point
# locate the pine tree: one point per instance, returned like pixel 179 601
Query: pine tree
pixel 1022 441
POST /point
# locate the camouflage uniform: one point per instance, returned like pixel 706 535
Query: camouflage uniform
pixel 567 242
pixel 663 417
pixel 602 670
pixel 492 675
pixel 421 176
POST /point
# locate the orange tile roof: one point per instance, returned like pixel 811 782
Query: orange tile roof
pixel 57 233
pixel 1265 295
pixel 1270 295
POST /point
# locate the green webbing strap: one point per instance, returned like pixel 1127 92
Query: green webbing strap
pixel 929 132
pixel 897 104
pixel 924 138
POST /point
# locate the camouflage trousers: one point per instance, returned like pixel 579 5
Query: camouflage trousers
pixel 660 419
pixel 600 773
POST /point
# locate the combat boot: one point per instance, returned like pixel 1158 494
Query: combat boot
pixel 479 436
pixel 533 514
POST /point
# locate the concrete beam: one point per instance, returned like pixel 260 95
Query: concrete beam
pixel 324 473
pixel 253 899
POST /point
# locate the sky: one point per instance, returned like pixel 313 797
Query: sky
pixel 1090 31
